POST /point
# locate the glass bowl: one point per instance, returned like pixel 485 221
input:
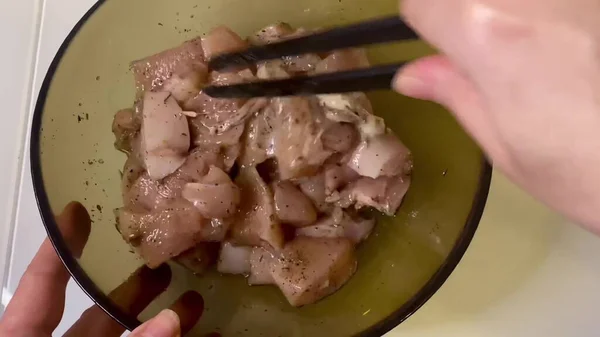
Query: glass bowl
pixel 401 266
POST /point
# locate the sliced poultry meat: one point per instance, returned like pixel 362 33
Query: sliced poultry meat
pixel 307 269
pixel 220 121
pixel 234 259
pixel 198 164
pixel 140 191
pixel 258 138
pixel 162 234
pixel 272 33
pixel 302 63
pixel 282 31
pixel 292 206
pixel 220 115
pixel 312 268
pixel 266 188
pixel 340 224
pixel 165 135
pixel 263 263
pixel 222 40
pixel 272 70
pixel 215 195
pixel 298 147
pixel 344 60
pixel 204 137
pixel 144 193
pixel 132 170
pixel 256 223
pixel 383 155
pixel 216 230
pixel 353 108
pixel 385 194
pixel 180 71
pixel 338 176
pixel 125 127
pixel 340 137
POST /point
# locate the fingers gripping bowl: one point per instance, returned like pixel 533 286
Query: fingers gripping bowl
pixel 406 258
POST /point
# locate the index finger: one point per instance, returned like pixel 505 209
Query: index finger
pixel 440 23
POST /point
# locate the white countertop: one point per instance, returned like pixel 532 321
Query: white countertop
pixel 526 274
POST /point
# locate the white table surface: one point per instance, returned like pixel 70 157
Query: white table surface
pixel 526 274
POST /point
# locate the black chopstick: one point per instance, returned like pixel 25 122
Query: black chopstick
pixel 364 33
pixel 374 78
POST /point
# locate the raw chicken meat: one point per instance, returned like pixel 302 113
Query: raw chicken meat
pixel 215 196
pixel 180 71
pixel 272 33
pixel 292 206
pixel 383 155
pixel 306 269
pixel 344 60
pixel 313 268
pixel 262 264
pixel 297 143
pixel 314 188
pixel 165 134
pixel 265 188
pixel 125 128
pixel 222 40
pixel 234 259
pixel 256 223
pixel 162 234
pixel 340 225
pixel 385 194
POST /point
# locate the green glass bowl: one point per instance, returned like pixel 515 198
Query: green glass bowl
pixel 400 267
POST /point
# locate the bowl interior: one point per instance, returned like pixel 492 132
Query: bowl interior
pixel 78 162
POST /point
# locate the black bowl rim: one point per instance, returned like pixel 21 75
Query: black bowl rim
pixel 102 300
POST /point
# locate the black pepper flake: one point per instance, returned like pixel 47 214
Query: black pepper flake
pixel 97 78
pixel 160 24
pixel 99 208
pixel 79 119
pixel 87 116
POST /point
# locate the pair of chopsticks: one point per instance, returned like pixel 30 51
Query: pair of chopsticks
pixel 365 33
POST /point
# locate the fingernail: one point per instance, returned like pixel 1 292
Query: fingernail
pixel 411 86
pixel 165 324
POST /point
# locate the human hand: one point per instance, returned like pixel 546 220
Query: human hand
pixel 523 78
pixel 37 305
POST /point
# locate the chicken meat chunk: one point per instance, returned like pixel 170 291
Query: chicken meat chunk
pixel 256 223
pixel 340 224
pixel 162 234
pixel 165 134
pixel 312 268
pixel 179 71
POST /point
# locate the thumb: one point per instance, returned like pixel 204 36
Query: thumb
pixel 165 324
pixel 435 78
